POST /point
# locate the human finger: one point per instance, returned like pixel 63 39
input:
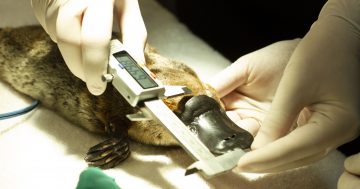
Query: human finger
pixel 256 74
pixel 247 117
pixel 352 164
pixel 95 37
pixel 348 181
pixel 230 78
pixel 46 13
pixel 290 98
pixel 133 30
pixel 300 147
pixel 68 35
pixel 250 124
pixel 246 105
pixel 281 154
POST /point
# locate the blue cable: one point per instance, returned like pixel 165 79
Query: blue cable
pixel 19 112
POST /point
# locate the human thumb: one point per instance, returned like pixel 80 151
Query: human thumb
pixel 284 111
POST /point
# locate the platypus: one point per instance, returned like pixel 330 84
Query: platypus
pixel 32 64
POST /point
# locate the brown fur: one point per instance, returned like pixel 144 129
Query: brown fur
pixel 32 64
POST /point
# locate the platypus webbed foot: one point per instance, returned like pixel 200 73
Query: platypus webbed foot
pixel 108 153
pixel 207 120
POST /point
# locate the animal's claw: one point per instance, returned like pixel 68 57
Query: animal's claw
pixel 109 153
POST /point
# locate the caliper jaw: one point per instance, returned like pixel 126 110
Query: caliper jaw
pixel 216 165
pixel 170 91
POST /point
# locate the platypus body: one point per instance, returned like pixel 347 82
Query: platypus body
pixel 32 64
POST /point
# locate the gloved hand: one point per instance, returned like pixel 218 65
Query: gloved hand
pixel 82 30
pixel 247 87
pixel 351 176
pixel 321 77
pixel 320 82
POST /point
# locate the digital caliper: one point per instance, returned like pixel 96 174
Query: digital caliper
pixel 137 85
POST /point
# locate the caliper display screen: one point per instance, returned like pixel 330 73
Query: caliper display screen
pixel 130 65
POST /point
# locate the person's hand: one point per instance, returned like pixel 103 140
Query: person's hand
pixel 321 77
pixel 247 87
pixel 350 179
pixel 83 29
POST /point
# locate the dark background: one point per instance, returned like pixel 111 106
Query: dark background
pixel 237 27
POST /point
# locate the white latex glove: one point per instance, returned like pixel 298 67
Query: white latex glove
pixel 322 75
pixel 82 30
pixel 350 179
pixel 247 87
